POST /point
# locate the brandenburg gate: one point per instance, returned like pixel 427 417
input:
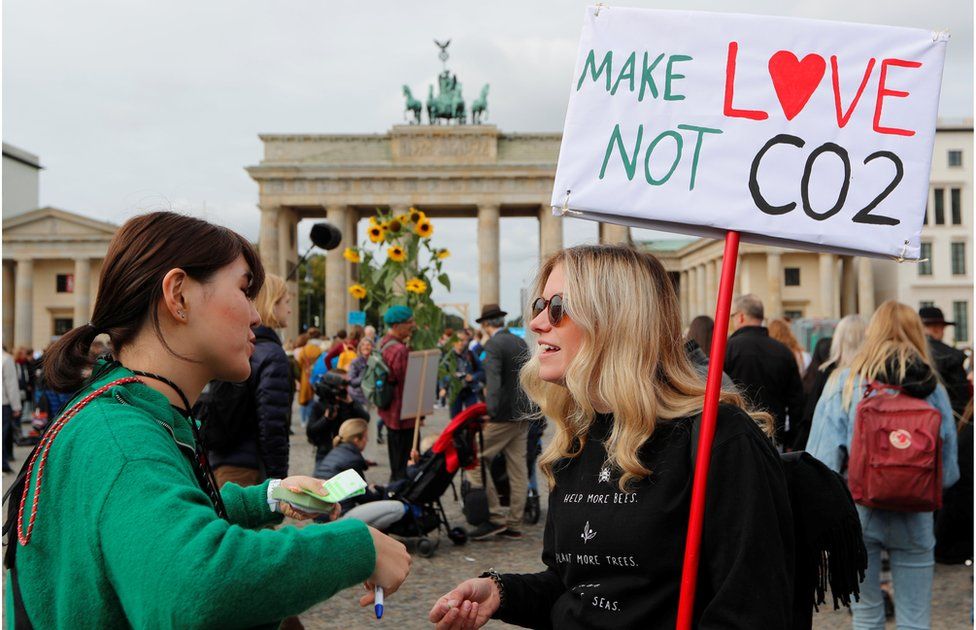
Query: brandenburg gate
pixel 448 171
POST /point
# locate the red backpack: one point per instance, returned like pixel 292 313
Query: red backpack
pixel 896 453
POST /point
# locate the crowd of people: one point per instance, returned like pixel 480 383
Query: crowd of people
pixel 192 334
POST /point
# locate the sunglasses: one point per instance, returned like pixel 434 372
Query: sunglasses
pixel 555 305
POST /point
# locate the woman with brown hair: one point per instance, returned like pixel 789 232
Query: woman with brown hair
pixel 130 529
pixel 620 469
pixel 779 330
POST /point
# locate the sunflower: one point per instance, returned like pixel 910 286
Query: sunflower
pixel 416 285
pixel 352 255
pixel 402 218
pixel 444 253
pixel 395 225
pixel 424 228
pixel 377 233
pixel 358 291
pixel 397 253
pixel 416 216
pixel 375 221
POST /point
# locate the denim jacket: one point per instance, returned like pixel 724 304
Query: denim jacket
pixel 833 426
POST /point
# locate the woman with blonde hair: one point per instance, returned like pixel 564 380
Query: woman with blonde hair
pixel 894 353
pixel 847 340
pixel 256 446
pixel 614 379
pixel 779 329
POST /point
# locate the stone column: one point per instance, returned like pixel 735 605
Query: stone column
pixel 711 287
pixel 848 287
pixel 550 232
pixel 827 289
pixel 288 261
pixel 350 236
pixel 865 288
pixel 336 276
pixel 268 239
pixel 701 291
pixel 838 286
pixel 488 220
pixel 24 304
pixel 692 289
pixel 773 307
pixel 82 291
pixel 8 304
pixel 613 234
pixel 684 298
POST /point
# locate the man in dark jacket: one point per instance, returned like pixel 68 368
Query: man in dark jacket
pixel 255 447
pixel 763 368
pixel 506 431
pixel 948 361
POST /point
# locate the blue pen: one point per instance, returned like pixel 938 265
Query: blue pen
pixel 378 601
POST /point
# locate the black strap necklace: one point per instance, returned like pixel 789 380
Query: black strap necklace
pixel 204 472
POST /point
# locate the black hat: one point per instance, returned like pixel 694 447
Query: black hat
pixel 490 311
pixel 933 315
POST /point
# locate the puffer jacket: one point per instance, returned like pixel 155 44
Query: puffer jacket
pixel 263 440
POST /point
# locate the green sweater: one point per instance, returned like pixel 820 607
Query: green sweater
pixel 125 536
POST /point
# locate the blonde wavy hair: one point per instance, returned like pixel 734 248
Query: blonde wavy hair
pixel 631 359
pixel 847 340
pixel 894 332
pixel 273 290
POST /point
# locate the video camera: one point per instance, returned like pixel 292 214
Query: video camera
pixel 331 388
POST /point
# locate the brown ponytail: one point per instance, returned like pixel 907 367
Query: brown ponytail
pixel 130 286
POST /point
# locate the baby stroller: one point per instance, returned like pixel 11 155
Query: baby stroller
pixel 422 491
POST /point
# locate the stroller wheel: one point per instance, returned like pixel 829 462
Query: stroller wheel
pixel 426 547
pixel 458 535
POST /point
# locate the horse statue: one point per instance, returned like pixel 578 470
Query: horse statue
pixel 449 103
pixel 413 107
pixel 479 108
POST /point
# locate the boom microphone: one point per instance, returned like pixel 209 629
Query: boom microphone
pixel 326 235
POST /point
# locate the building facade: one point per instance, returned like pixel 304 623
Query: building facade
pixel 463 171
pixel 51 263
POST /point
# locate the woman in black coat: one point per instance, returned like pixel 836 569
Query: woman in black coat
pixel 257 449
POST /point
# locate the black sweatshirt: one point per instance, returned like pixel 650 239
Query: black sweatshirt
pixel 614 559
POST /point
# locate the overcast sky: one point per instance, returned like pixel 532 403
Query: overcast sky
pixel 134 106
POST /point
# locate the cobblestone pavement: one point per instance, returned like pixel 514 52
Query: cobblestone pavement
pixel 432 577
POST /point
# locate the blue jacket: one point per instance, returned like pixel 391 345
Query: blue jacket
pixel 264 438
pixel 833 426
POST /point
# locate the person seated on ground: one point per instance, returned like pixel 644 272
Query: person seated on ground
pixel 347 454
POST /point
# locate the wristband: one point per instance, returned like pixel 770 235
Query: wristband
pixel 272 486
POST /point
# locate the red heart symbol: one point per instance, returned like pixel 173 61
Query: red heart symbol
pixel 795 80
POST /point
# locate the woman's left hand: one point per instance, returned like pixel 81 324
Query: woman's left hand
pixel 295 483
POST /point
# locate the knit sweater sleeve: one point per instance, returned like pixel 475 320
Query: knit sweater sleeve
pixel 248 507
pixel 160 540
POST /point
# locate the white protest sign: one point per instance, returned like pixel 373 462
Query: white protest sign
pixel 798 133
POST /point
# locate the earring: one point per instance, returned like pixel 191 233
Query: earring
pixel 182 314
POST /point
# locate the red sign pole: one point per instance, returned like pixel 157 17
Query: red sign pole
pixel 713 386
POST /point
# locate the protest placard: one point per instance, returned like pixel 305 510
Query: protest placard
pixel 798 133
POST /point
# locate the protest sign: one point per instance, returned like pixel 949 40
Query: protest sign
pixel 798 133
